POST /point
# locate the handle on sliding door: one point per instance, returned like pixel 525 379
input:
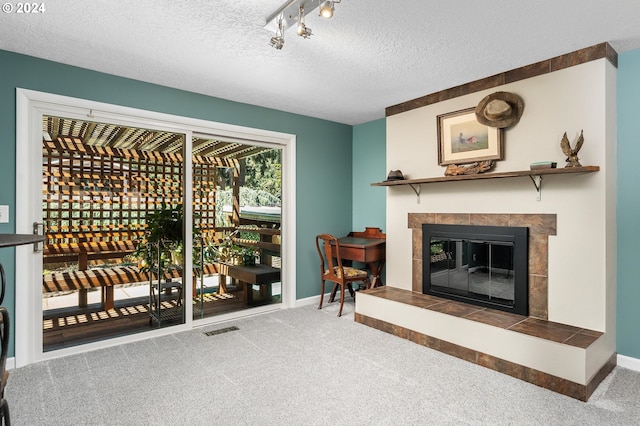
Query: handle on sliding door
pixel 37 228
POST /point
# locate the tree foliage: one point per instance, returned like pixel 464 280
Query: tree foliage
pixel 264 172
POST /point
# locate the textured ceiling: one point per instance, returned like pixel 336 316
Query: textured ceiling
pixel 371 55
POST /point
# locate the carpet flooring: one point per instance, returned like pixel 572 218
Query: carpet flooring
pixel 299 366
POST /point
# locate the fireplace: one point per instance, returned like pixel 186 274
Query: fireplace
pixel 480 265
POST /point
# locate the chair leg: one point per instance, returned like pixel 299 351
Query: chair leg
pixel 4 409
pixel 351 292
pixel 333 292
pixel 341 299
pixel 321 295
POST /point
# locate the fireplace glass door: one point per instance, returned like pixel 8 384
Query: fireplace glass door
pixel 479 269
pixel 482 265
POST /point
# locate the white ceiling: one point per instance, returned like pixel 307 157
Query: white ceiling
pixel 371 55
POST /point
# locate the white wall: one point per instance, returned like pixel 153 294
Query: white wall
pixel 569 100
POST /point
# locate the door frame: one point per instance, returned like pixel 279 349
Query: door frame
pixel 30 108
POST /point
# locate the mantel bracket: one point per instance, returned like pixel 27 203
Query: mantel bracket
pixel 537 182
pixel 416 189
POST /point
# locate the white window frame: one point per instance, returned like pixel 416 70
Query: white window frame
pixel 31 106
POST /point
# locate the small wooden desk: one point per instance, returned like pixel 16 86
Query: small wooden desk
pixel 367 247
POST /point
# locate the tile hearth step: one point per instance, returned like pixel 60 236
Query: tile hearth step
pixel 556 356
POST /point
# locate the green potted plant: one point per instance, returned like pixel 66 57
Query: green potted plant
pixel 164 228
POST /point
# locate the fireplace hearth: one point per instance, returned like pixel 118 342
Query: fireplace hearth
pixel 480 265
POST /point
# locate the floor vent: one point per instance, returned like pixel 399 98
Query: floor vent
pixel 221 330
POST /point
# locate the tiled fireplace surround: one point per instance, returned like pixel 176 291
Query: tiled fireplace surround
pixel 570 338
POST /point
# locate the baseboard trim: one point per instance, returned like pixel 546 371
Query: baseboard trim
pixel 313 300
pixel 629 362
pixel 11 363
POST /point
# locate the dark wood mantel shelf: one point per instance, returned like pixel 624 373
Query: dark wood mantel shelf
pixel 535 175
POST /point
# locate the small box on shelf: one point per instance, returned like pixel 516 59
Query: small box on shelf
pixel 543 165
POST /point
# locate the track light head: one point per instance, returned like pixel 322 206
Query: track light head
pixel 277 41
pixel 303 31
pixel 327 8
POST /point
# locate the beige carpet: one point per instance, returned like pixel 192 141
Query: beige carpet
pixel 299 366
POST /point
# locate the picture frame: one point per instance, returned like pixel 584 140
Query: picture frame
pixel 462 139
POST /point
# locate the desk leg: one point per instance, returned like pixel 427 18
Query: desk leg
pixel 376 271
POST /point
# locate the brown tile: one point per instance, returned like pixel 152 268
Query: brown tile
pixel 383 291
pixel 459 351
pixel 428 341
pixel 539 297
pixel 411 298
pixel 556 384
pixel 486 83
pixel 495 318
pixel 537 223
pixel 416 281
pixel 533 70
pixel 601 374
pixel 578 57
pixel 612 55
pixel 581 339
pixel 602 50
pixel 454 92
pixel 378 291
pixel 501 365
pixel 422 339
pixel 452 218
pixel 457 309
pixel 416 244
pixel 538 254
pixel 489 219
pixel 545 329
pixel 400 331
pixel 591 332
pixel 417 219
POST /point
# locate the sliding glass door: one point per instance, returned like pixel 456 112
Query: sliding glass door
pixel 144 216
pixel 237 217
pixel 112 209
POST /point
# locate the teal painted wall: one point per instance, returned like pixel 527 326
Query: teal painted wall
pixel 369 165
pixel 628 209
pixel 324 155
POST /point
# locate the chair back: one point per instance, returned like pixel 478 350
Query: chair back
pixel 329 249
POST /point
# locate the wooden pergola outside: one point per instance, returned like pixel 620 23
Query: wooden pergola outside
pixel 99 183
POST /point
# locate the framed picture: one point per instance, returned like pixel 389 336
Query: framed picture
pixel 461 139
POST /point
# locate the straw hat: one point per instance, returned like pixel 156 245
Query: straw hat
pixel 500 109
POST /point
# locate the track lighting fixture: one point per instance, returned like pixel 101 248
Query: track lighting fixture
pixel 277 41
pixel 292 13
pixel 303 30
pixel 327 8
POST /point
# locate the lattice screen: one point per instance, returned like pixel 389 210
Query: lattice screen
pixel 102 194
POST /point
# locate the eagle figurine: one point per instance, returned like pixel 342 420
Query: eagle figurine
pixel 572 154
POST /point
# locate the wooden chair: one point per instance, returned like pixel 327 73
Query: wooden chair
pixel 4 412
pixel 4 374
pixel 331 269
